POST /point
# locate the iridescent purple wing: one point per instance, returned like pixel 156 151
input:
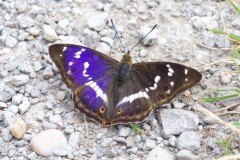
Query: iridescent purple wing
pixel 87 72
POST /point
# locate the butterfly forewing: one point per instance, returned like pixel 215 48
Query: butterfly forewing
pixel 88 73
pixel 164 80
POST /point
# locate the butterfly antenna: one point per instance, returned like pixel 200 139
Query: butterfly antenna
pixel 142 39
pixel 118 36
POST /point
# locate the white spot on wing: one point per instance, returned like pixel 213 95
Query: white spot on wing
pixel 186 71
pixel 154 87
pixel 186 79
pixel 132 97
pixel 99 92
pixel 157 78
pixel 70 63
pixel 64 49
pixel 172 84
pixel 146 89
pixel 78 53
pixel 86 65
pixel 170 74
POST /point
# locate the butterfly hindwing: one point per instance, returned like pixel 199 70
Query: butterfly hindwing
pixel 164 80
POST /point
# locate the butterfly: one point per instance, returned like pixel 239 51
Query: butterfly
pixel 115 92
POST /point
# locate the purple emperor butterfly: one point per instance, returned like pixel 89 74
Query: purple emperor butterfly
pixel 113 92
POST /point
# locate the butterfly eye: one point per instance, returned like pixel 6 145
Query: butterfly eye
pixel 102 109
pixel 119 111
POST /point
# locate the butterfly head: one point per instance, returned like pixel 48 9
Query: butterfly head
pixel 127 58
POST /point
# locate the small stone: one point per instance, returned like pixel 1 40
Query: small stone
pixel 137 139
pixel 189 140
pixel 62 150
pixel 172 140
pixel 34 31
pixel 17 99
pixel 152 38
pixel 55 118
pixel 8 118
pixel 18 129
pixel 149 144
pixel 47 141
pixel 97 20
pixel 10 42
pixel 21 6
pixel 146 127
pixel 63 24
pixel 107 40
pixel 100 152
pixel 25 21
pixel 178 105
pixel 185 155
pixel 25 68
pixel 32 156
pixel 132 150
pixel 204 23
pixel 103 48
pixel 61 95
pixel 48 73
pixel 74 139
pixel 6 93
pixel 225 78
pixel 35 93
pixel 171 118
pixel 11 66
pixel 13 109
pixel 111 153
pixel 236 23
pixel 124 131
pixel 23 107
pixel 3 105
pixel 130 142
pixel 120 139
pixel 49 33
pixel 37 66
pixel 3 74
pixel 119 3
pixel 106 142
pixel 159 153
pixel 20 80
pixel 143 53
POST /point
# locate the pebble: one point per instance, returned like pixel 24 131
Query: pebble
pixel 3 105
pixel 17 99
pixel 107 40
pixel 185 155
pixel 100 152
pixel 171 118
pixel 103 48
pixel 236 23
pixel 130 142
pixel 13 109
pixel 25 21
pixel 20 80
pixel 178 105
pixel 188 140
pixel 106 142
pixel 74 139
pixel 124 131
pixel 37 66
pixel 152 38
pixel 6 93
pixel 25 68
pixel 10 66
pixel 97 20
pixel 61 95
pixel 49 33
pixel 172 140
pixel 23 107
pixel 225 77
pixel 204 23
pixel 11 41
pixel 159 153
pixel 111 153
pixel 137 138
pixel 45 142
pixel 48 73
pixel 18 129
pixel 21 6
pixel 119 3
pixel 62 150
pixel 63 24
pixel 149 144
pixel 8 118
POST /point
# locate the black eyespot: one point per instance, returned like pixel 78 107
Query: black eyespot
pixel 102 109
pixel 165 88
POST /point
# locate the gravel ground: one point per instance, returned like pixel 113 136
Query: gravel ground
pixel 37 116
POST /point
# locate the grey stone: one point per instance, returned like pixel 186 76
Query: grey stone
pixel 32 156
pixel 120 139
pixel 25 21
pixel 204 23
pixel 62 150
pixel 152 38
pixel 61 95
pixel 119 3
pixel 25 68
pixel 124 131
pixel 132 150
pixel 20 80
pixel 236 23
pixel 37 66
pixel 106 142
pixel 6 93
pixel 63 24
pixel 172 140
pixel 178 105
pixel 49 33
pixel 146 127
pixel 21 6
pixel 55 118
pixel 35 93
pixel 13 109
pixel 143 53
pixel 111 153
pixel 23 107
pixel 74 139
pixel 10 66
pixel 34 31
pixel 149 144
pixel 8 118
pixel 4 74
pixel 38 9
pixel 176 121
pixel 3 105
pixel 130 142
pixel 48 73
pixel 47 125
pixel 189 140
pixel 185 155
pixel 107 40
pixel 100 152
pixel 97 20
pixel 159 153
pixel 10 42
pixel 6 135
pixel 137 139
pixel 225 77
pixel 103 47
